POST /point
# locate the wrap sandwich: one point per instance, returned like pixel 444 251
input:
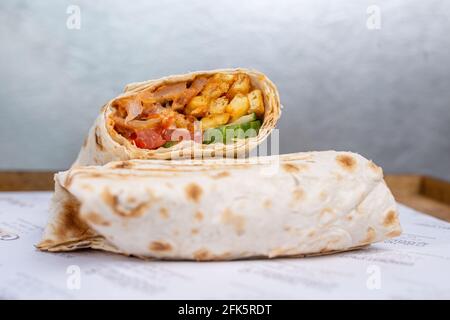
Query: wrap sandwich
pixel 222 209
pixel 199 114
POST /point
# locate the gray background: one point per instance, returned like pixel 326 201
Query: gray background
pixel 383 93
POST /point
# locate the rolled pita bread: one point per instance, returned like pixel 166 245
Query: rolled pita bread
pixel 221 209
pixel 105 142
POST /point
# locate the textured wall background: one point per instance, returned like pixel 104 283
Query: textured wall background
pixel 383 93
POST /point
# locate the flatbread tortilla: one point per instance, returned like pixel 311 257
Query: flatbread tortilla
pixel 104 144
pixel 222 209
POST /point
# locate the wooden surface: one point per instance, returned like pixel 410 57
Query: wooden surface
pixel 425 194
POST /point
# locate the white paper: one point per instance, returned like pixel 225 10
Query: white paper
pixel 414 265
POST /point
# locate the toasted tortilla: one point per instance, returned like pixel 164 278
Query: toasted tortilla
pixel 222 209
pixel 103 144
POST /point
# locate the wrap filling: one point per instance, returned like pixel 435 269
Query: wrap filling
pixel 209 109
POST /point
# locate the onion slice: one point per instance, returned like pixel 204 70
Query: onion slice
pixel 134 109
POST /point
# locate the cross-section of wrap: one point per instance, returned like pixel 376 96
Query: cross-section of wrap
pixel 200 114
pixel 291 205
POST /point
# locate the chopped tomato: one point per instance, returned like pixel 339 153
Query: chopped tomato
pixel 176 134
pixel 149 138
pixel 167 122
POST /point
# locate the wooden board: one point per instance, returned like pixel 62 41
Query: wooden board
pixel 426 194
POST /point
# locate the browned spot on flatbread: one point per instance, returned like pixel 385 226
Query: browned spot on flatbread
pixel 194 231
pixel 390 219
pixel 298 194
pixel 311 233
pixel 220 175
pixel 235 220
pixel 113 202
pixel 346 161
pixel 370 235
pixel 68 181
pixel 394 233
pixel 326 216
pixel 198 216
pixel 87 187
pixel 223 256
pixel 123 165
pixel 374 167
pixel 164 213
pixel 98 140
pixel 294 168
pixel 93 175
pixel 160 246
pixel 95 218
pixel 193 192
pixel 45 244
pixel 289 167
pixel 69 224
pixel 267 204
pixel 202 254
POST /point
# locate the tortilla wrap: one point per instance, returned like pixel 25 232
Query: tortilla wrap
pixel 103 144
pixel 221 209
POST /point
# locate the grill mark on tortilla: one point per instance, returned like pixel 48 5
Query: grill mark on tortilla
pixel 69 224
pixel 113 202
pixel 164 212
pixel 298 194
pixel 68 180
pixel 198 216
pixel 87 187
pixel 160 246
pixel 202 254
pixel 323 195
pixel 374 167
pixel 235 220
pixel 291 168
pixel 311 233
pixel 220 175
pixel 390 218
pixel 394 233
pixel 123 165
pixel 193 192
pixel 45 244
pixel 95 218
pixel 267 204
pixel 98 140
pixel 327 216
pixel 346 161
pixel 370 235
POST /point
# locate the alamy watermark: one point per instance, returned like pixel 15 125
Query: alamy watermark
pixel 373 21
pixel 73 21
pixel 373 282
pixel 73 281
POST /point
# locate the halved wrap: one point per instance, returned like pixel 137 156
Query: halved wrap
pixel 200 114
pixel 220 209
